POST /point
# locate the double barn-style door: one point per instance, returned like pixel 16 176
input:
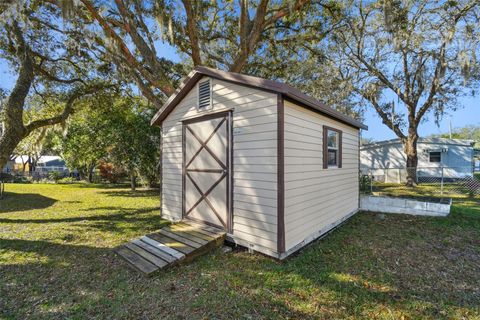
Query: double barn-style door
pixel 206 170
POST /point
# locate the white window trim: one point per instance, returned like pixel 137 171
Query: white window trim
pixel 333 166
pixel 210 106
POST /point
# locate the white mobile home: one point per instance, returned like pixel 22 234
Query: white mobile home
pixel 454 158
pixel 272 166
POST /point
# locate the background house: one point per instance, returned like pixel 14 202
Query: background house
pixel 9 166
pixel 51 163
pixel 44 164
pixel 452 158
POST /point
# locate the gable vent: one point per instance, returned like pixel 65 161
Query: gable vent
pixel 204 95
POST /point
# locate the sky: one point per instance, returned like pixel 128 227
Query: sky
pixel 467 114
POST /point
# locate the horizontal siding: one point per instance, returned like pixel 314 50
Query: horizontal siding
pixel 254 159
pixel 316 197
pixel 391 155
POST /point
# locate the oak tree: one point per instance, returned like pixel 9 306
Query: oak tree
pixel 50 59
pixel 407 60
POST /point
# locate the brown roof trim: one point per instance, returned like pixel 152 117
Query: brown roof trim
pixel 263 84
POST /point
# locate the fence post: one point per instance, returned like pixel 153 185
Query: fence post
pixel 2 186
pixel 371 181
pixel 399 176
pixel 441 184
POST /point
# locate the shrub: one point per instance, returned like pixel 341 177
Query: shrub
pixel 365 183
pixel 6 177
pixel 66 180
pixel 110 172
pixel 55 176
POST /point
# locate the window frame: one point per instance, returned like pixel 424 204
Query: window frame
pixel 430 157
pixel 326 148
pixel 209 107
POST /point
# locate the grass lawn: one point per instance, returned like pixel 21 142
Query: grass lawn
pixel 56 262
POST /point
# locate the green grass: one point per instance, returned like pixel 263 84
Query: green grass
pixel 56 262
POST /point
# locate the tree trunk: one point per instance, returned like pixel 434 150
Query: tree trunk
pixel 30 164
pixel 133 181
pixel 14 130
pixel 410 148
pixel 90 173
pixel 8 142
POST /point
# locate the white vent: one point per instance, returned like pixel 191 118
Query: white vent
pixel 204 95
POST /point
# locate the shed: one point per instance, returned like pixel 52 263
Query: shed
pixel 270 165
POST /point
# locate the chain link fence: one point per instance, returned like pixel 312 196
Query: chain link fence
pixel 430 181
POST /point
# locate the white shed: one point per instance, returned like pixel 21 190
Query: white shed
pixel 250 156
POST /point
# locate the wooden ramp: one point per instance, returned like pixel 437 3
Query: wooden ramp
pixel 176 243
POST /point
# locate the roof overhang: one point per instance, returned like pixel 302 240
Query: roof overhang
pixel 286 90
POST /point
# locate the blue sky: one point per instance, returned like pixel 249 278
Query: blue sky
pixel 467 114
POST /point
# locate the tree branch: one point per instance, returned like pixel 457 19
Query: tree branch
pixel 251 35
pixel 129 58
pixel 192 32
pixel 68 109
pixel 52 77
pixel 284 12
pixel 385 118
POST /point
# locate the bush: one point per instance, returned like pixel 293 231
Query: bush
pixel 6 177
pixel 21 179
pixel 110 172
pixel 365 183
pixel 67 180
pixel 55 176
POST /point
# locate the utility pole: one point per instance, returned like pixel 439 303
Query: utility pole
pixel 450 127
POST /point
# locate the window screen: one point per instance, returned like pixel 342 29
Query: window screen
pixel 204 95
pixel 332 147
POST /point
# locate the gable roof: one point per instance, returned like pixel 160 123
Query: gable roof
pixel 263 84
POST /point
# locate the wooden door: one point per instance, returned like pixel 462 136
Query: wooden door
pixel 206 168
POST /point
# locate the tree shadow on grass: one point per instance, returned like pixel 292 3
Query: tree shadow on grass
pixel 78 281
pixel 133 194
pixel 53 274
pixel 13 202
pixel 308 286
pixel 133 219
pixel 104 186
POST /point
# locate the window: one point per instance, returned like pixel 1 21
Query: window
pixel 332 147
pixel 204 95
pixel 435 156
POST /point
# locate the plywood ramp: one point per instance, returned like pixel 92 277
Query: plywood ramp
pixel 176 243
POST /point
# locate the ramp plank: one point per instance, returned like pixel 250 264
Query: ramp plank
pixel 180 238
pixel 163 247
pixel 136 261
pixel 192 231
pixel 187 235
pixel 153 250
pixel 177 243
pixel 183 248
pixel 147 255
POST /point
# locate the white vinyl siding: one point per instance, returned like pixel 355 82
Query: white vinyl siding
pixel 254 159
pixel 316 198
